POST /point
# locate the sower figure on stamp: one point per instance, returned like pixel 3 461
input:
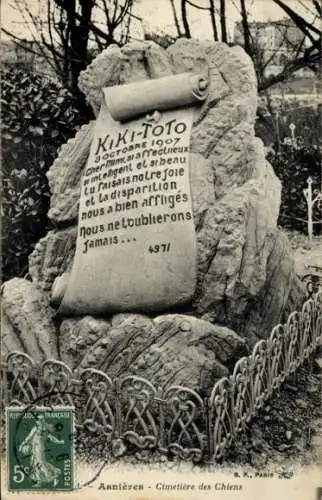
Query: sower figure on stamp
pixel 42 471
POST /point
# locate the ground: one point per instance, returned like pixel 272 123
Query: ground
pixel 307 253
pixel 288 431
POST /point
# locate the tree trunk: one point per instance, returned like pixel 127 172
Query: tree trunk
pixel 223 20
pixel 79 41
pixel 185 19
pixel 213 20
pixel 247 38
pixel 175 18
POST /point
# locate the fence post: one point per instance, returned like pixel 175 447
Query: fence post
pixel 209 430
pixel 162 445
pixel 118 408
pixel 310 203
pixel 308 195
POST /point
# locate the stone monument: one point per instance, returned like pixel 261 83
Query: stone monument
pixel 166 260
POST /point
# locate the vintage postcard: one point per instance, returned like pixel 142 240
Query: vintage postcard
pixel 161 320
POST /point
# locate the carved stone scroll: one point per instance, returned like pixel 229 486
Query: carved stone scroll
pixel 136 244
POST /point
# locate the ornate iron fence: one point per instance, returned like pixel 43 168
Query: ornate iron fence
pixel 131 412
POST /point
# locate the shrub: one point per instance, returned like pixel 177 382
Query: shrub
pixel 293 166
pixel 38 116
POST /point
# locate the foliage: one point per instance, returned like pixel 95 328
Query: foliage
pixel 38 116
pixel 293 165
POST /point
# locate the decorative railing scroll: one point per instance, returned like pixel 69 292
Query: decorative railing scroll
pixel 23 385
pixel 98 412
pixel 260 360
pixel 139 426
pixel 276 369
pixel 185 414
pixel 133 414
pixel 220 418
pixel 56 383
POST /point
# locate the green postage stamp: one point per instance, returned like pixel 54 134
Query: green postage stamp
pixel 40 448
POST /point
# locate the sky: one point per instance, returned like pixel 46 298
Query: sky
pixel 157 14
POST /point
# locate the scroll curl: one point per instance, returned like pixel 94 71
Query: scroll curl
pixel 129 101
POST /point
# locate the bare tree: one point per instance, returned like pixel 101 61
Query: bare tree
pixel 185 18
pixel 209 7
pixel 67 32
pixel 304 53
